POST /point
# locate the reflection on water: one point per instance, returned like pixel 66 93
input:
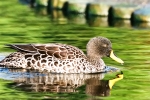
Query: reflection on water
pixel 141 25
pixel 58 17
pixel 119 23
pixel 97 87
pixel 76 18
pixel 132 45
pixel 13 74
pixel 61 17
pixel 30 80
pixel 97 21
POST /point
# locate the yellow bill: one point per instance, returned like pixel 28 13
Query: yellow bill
pixel 113 81
pixel 115 58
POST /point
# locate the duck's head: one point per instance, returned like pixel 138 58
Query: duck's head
pixel 99 47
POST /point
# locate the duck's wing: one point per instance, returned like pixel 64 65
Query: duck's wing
pixel 27 48
pixel 61 51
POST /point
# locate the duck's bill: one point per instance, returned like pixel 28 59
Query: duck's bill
pixel 115 57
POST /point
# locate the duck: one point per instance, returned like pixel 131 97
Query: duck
pixel 61 58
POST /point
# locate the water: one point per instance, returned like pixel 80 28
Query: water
pixel 20 24
pixel 33 81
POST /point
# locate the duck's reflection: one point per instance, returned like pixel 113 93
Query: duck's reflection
pixel 97 87
pixel 66 83
pixel 55 82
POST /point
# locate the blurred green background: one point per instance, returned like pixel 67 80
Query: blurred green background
pixel 20 24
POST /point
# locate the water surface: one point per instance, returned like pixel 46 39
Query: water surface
pixel 20 24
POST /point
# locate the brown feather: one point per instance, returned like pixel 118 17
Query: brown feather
pixel 40 47
pixel 22 48
pixel 55 48
pixel 60 51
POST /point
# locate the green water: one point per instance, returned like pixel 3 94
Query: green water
pixel 19 24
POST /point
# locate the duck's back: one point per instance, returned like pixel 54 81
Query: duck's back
pixel 59 58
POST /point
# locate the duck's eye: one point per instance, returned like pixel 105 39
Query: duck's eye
pixel 104 45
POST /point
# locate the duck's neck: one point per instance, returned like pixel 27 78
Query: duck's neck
pixel 96 61
pixel 93 58
pixel 113 81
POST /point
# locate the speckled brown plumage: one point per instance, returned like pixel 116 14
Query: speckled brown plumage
pixel 60 58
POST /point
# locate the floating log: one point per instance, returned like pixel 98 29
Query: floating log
pixel 100 9
pixel 121 11
pixel 141 14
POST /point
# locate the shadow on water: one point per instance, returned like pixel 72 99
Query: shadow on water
pixel 33 81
